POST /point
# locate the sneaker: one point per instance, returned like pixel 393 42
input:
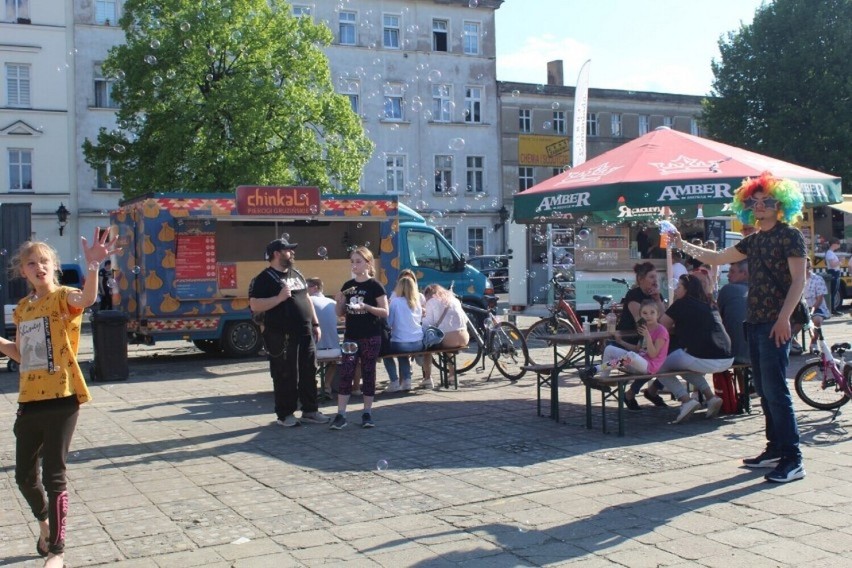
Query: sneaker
pixel 406 385
pixel 766 459
pixel 289 422
pixel 686 409
pixel 315 418
pixel 656 399
pixel 357 393
pixel 587 373
pixel 788 469
pixel 367 421
pixel 393 387
pixel 714 405
pixel 631 404
pixel 339 423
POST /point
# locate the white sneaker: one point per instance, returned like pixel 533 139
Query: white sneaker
pixel 289 422
pixel 406 385
pixel 315 418
pixel 714 405
pixel 393 387
pixel 686 409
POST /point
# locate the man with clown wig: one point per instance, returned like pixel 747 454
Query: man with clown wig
pixel 776 262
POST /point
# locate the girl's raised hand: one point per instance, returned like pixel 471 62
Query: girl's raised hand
pixel 101 247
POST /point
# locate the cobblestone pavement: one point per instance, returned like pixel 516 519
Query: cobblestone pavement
pixel 182 465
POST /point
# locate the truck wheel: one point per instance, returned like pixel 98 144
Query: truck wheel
pixel 12 366
pixel 211 346
pixel 241 339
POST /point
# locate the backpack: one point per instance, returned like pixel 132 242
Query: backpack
pixel 725 386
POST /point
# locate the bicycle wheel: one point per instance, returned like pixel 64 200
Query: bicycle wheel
pixel 540 351
pixel 468 357
pixel 818 389
pixel 506 346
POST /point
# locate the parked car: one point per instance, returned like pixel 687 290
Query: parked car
pixel 72 275
pixel 495 267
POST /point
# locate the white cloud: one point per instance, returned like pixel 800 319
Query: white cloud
pixel 529 63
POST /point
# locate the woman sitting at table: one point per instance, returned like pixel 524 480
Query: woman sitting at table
pixel 705 345
pixel 647 288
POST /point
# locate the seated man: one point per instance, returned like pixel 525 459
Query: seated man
pixel 815 293
pixel 329 344
pixel 732 305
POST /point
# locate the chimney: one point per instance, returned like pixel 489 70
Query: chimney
pixel 555 75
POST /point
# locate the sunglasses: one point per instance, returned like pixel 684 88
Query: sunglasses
pixel 768 202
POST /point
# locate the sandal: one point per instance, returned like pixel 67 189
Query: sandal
pixel 43 552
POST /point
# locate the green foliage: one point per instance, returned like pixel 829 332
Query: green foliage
pixel 784 85
pixel 213 95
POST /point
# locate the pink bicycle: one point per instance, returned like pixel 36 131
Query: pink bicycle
pixel 825 383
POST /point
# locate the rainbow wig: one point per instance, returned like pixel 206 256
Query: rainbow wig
pixel 787 192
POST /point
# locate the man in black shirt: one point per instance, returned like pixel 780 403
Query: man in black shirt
pixel 290 329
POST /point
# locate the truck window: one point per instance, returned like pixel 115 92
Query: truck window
pixel 427 251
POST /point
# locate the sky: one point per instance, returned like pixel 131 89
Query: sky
pixel 641 45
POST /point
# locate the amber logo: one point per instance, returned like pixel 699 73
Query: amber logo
pixel 274 200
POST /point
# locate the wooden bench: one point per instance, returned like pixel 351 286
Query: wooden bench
pixel 447 356
pixel 605 385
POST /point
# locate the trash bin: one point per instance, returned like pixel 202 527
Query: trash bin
pixel 109 339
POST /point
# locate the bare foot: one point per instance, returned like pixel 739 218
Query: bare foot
pixel 43 534
pixel 55 561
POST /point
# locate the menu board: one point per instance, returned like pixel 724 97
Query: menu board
pixel 196 274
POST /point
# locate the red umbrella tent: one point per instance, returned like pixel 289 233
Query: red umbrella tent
pixel 664 168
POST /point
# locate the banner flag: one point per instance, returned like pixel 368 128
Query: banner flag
pixel 581 106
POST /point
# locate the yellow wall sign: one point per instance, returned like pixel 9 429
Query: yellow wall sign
pixel 544 151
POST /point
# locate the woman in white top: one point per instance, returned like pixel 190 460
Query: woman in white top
pixel 405 318
pixel 444 311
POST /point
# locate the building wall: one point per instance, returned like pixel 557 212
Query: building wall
pixel 44 125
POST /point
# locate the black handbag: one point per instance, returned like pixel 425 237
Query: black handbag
pixel 386 337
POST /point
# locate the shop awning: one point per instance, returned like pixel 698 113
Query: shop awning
pixel 845 206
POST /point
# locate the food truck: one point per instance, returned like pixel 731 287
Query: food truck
pixel 187 259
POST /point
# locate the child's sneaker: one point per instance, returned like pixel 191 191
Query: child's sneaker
pixel 367 421
pixel 339 423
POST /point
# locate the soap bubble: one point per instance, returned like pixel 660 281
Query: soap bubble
pixel 184 26
pixel 313 209
pixel 119 148
pixel 187 43
pixel 285 236
pixel 473 4
pixel 583 234
pixel 546 125
pixel 236 35
pixel 554 106
pixel 359 225
pixel 457 144
pixel 119 75
pixel 136 269
pixel 226 12
pixel 349 348
pixel 170 74
pixel 157 80
pixel 322 251
pixel 208 77
pixel 421 205
pixel 211 51
pixel 155 44
pixel 516 93
pixel 150 60
pixel 434 76
pixel 382 465
pixel 367 244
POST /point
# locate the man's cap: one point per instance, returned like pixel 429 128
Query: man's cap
pixel 278 244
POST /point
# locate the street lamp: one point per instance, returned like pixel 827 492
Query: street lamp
pixel 62 217
pixel 503 213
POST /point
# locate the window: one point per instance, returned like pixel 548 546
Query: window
pixel 443 174
pixel 352 90
pixel 615 125
pixel 694 127
pixel 475 174
pixel 105 11
pixel 667 121
pixel 559 124
pixel 557 171
pixel 301 11
pixel 440 29
pixel 395 173
pixel 592 124
pixel 393 102
pixel 524 120
pixel 644 124
pixel 442 103
pixel 17 10
pixel 390 34
pixel 448 233
pixel 471 38
pixel 18 85
pixel 473 104
pixel 20 169
pixel 346 28
pixel 428 251
pixel 103 91
pixel 525 178
pixel 105 179
pixel 475 241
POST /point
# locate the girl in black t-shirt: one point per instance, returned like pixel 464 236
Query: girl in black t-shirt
pixel 364 303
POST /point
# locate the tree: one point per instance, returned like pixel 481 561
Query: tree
pixel 783 86
pixel 212 95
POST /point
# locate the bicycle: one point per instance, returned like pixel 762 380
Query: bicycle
pixel 821 383
pixel 502 342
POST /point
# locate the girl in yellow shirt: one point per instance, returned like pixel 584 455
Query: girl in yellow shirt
pixel 52 386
